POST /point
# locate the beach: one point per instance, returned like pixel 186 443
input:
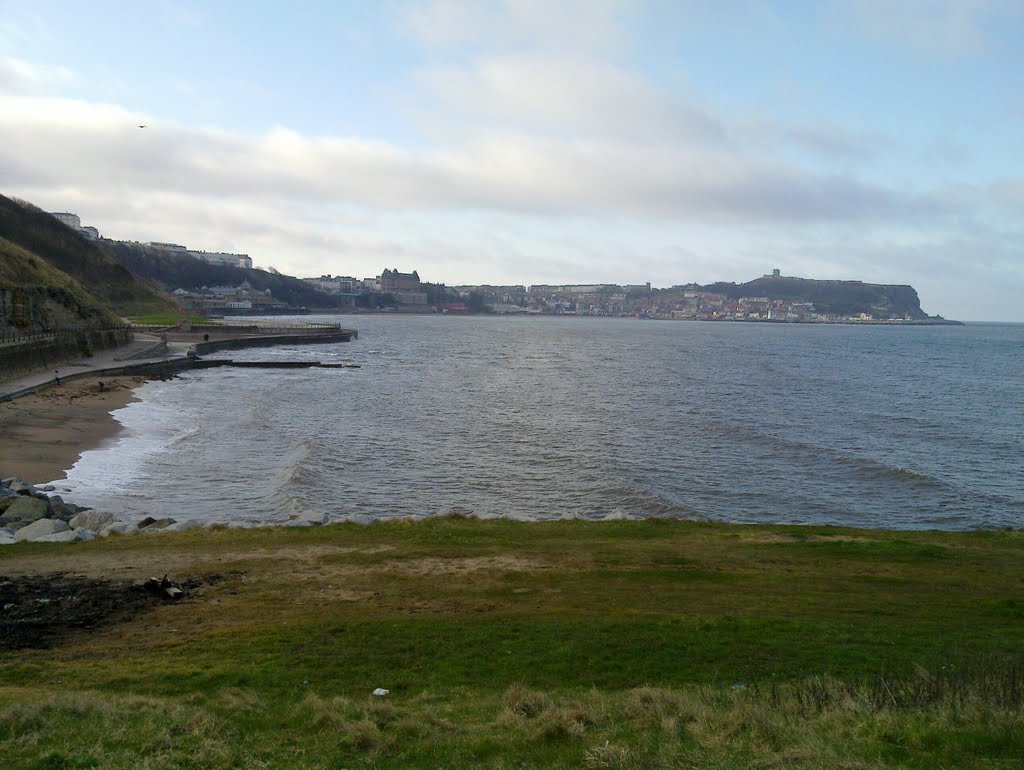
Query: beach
pixel 42 435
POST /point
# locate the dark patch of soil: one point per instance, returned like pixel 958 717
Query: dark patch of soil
pixel 36 610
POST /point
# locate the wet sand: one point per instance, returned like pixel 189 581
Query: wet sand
pixel 44 434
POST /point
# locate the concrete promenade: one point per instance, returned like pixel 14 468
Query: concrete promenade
pixel 156 355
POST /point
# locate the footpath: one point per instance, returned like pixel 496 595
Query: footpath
pixel 143 350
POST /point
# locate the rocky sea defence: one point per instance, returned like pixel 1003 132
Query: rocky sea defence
pixel 31 513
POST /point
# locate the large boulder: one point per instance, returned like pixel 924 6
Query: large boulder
pixel 7 537
pixel 63 511
pixel 67 536
pixel 14 483
pixel 94 520
pixel 25 510
pixel 119 528
pixel 307 518
pixel 41 528
pixel 182 526
pixel 362 518
pixel 157 525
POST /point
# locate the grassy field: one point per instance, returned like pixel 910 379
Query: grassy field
pixel 562 644
pixel 170 319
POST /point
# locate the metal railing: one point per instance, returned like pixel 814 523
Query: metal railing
pixel 250 326
pixel 10 336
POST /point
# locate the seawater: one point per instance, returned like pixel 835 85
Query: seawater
pixel 541 418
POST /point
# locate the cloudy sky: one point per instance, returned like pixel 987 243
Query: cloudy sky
pixel 538 141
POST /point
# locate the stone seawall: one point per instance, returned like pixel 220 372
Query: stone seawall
pixel 238 343
pixel 35 355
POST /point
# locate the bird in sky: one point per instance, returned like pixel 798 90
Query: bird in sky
pixel 141 126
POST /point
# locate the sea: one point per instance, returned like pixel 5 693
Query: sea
pixel 538 418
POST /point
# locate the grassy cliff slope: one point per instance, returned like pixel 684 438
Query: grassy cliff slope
pixel 83 260
pixel 34 295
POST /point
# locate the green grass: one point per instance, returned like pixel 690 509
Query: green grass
pixel 561 644
pixel 169 319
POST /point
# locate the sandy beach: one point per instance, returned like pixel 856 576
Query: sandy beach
pixel 44 434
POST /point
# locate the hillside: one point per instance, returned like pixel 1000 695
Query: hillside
pixel 182 271
pixel 34 295
pixel 839 297
pixel 83 260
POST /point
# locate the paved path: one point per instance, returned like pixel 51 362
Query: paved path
pixel 141 346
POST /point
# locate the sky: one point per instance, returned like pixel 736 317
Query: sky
pixel 538 141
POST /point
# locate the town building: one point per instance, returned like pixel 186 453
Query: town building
pixel 210 257
pixel 75 223
pixel 392 281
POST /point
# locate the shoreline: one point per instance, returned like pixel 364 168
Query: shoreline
pixel 42 435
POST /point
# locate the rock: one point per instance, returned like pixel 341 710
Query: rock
pixel 156 525
pixel 7 537
pixel 119 528
pixel 164 588
pixel 10 482
pixel 47 488
pixel 62 511
pixel 67 536
pixel 182 526
pixel 298 523
pixel 312 517
pixel 6 502
pixel 145 522
pixel 56 500
pixel 81 533
pixel 94 520
pixel 362 518
pixel 26 510
pixel 41 528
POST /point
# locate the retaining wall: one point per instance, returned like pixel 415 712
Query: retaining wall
pixel 42 353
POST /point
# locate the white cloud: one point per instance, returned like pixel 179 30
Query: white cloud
pixel 564 94
pixel 688 173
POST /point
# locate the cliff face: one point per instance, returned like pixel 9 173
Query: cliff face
pixel 839 297
pixel 101 277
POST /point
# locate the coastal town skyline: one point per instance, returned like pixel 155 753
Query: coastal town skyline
pixel 518 141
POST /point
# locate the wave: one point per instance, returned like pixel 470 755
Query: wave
pixel 862 468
